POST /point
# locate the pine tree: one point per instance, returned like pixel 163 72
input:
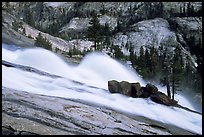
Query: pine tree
pixel 154 61
pixel 166 73
pixel 142 65
pixel 141 58
pixel 148 65
pixel 188 75
pixel 132 57
pixel 29 19
pixel 106 33
pixel 118 28
pixel 94 31
pixel 43 42
pixel 177 71
pixel 117 52
pixel 38 41
pixel 15 25
pixel 173 72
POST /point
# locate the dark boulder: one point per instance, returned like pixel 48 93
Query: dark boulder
pixel 126 88
pixel 151 88
pixel 162 98
pixel 145 93
pixel 136 90
pixel 114 86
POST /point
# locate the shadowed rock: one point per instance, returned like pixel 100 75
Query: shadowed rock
pixel 7 130
pixel 145 93
pixel 151 88
pixel 161 98
pixel 137 92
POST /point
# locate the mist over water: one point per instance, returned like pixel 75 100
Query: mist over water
pixel 88 81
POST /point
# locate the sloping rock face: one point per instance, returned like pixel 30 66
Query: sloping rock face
pixel 24 113
pixel 8 130
pixel 189 27
pixel 147 33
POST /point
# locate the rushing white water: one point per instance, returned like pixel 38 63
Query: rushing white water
pixel 88 82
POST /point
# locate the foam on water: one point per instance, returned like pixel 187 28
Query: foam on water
pixel 93 72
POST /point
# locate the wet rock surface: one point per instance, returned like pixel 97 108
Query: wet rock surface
pixel 24 113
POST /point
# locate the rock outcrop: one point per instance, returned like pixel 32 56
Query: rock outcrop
pixel 114 86
pixel 8 130
pixel 25 113
pixel 151 88
pixel 135 90
pixel 161 98
pixel 136 87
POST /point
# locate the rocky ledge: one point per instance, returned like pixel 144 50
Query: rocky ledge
pixel 135 90
pixel 24 113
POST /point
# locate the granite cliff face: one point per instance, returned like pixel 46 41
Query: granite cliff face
pixel 144 24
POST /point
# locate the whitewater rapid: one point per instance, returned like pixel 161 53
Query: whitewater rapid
pixel 88 81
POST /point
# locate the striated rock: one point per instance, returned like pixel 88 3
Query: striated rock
pixel 46 115
pixel 114 86
pixel 8 130
pixel 161 98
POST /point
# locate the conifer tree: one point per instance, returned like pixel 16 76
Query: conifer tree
pixel 154 60
pixel 132 57
pixel 106 33
pixel 43 42
pixel 177 71
pixel 141 58
pixel 148 65
pixel 29 19
pixel 94 31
